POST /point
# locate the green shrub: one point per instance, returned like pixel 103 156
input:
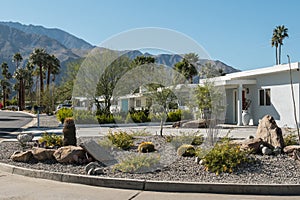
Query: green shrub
pixel 186 150
pixel 137 164
pixel 225 157
pixel 121 139
pixel 105 119
pixel 51 140
pixel 290 139
pixel 186 138
pixel 84 117
pixel 146 147
pixel 64 113
pixel 197 140
pixel 174 116
pixel 137 117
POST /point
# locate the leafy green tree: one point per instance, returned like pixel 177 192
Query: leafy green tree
pixel 140 60
pixel 187 66
pixel 52 66
pixel 5 84
pixel 279 34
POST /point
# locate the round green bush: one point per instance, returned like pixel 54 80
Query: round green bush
pixel 186 150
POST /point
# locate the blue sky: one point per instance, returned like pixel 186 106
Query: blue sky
pixel 237 32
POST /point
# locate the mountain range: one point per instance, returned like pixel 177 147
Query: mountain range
pixel 16 37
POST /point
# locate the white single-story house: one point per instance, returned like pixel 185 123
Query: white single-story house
pixel 269 91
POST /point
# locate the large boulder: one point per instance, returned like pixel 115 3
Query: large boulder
pixel 25 137
pixel 269 132
pixel 70 154
pixel 252 145
pixel 21 156
pixel 42 154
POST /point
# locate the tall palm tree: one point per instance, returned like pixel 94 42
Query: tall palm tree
pixel 38 57
pixel 282 33
pixel 53 65
pixel 279 34
pixel 5 82
pixel 19 76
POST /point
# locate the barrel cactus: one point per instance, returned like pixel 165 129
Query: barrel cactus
pixel 186 150
pixel 146 147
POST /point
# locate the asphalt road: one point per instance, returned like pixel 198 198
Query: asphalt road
pixel 11 121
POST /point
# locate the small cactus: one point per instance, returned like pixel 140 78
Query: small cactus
pixel 186 150
pixel 146 147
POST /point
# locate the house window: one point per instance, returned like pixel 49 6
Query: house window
pixel 138 103
pixel 265 97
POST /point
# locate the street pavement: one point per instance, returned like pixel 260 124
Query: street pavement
pixel 16 187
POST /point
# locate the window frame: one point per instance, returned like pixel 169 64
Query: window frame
pixel 264 97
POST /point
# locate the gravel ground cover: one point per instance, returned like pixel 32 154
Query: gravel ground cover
pixel 279 169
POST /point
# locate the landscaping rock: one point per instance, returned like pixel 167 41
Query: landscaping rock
pixel 291 148
pixel 252 145
pixel 70 154
pixel 69 132
pixel 42 154
pixel 98 153
pixel 21 156
pixel 269 132
pixel 202 123
pixel 266 151
pixel 25 137
pixel 277 151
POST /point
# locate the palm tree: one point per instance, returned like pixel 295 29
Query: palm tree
pixel 38 57
pixel 19 76
pixel 279 34
pixel 53 65
pixel 5 82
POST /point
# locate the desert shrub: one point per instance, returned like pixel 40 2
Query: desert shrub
pixel 146 147
pixel 137 164
pixel 105 119
pixel 186 150
pixel 64 113
pixel 225 157
pixel 290 139
pixel 186 138
pixel 174 116
pixel 51 140
pixel 121 139
pixel 197 140
pixel 84 117
pixel 137 116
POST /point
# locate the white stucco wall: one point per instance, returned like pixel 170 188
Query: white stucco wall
pixel 281 99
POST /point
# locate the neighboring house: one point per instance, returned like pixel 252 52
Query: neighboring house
pixel 268 90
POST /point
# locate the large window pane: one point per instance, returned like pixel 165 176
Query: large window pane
pixel 261 97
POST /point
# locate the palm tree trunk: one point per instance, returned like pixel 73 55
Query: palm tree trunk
pixel 41 79
pixel 279 54
pixel 48 77
pixel 4 97
pixel 276 52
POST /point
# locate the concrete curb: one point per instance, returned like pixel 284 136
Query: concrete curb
pixel 161 186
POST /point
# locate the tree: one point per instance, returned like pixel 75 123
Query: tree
pixel 208 70
pixel 5 84
pixel 141 60
pixel 187 67
pixel 39 57
pixel 279 34
pixel 52 66
pixel 19 76
pixel 161 98
pixel 108 81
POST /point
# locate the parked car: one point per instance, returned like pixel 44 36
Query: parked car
pixel 60 106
